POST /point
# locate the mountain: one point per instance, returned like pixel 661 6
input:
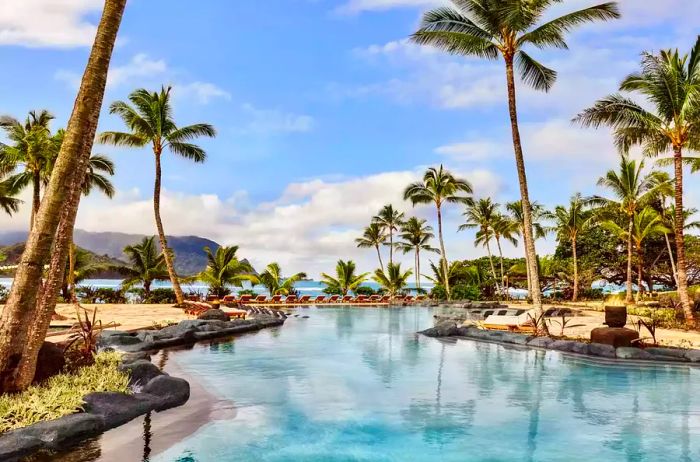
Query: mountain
pixel 189 250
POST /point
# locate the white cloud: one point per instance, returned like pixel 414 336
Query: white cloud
pixel 47 23
pixel 270 121
pixel 358 6
pixel 470 150
pixel 201 92
pixel 141 66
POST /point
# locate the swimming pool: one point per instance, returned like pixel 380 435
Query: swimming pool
pixel 359 385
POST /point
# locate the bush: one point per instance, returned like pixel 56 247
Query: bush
pixel 332 291
pixel 666 317
pixel 247 292
pixel 591 294
pixel 62 394
pixel 438 292
pixel 109 295
pixel 364 290
pixel 465 292
pixel 86 294
pixel 161 296
pixel 4 293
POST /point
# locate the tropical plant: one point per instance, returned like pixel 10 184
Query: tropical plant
pixel 570 221
pixel 149 121
pixel 416 236
pixel 389 220
pixel 491 28
pixel 27 314
pixel 373 236
pixel 439 187
pixel 225 269
pixel 8 202
pixel 273 281
pixel 483 215
pixel 504 228
pixel 81 267
pixel 147 264
pixel 646 223
pixel 393 280
pixel 670 84
pixel 345 279
pixel 539 216
pixel 32 148
pixel 459 271
pixel 632 189
pixel 85 334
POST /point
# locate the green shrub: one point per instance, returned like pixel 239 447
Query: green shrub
pixel 332 291
pixel 465 292
pixel 247 292
pixel 109 295
pixel 438 292
pixel 161 296
pixel 670 318
pixel 364 290
pixel 591 294
pixel 62 394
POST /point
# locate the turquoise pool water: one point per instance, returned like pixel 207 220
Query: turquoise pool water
pixel 359 385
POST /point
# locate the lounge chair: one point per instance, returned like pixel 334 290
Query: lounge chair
pixel 304 299
pixel 334 299
pixel 276 299
pixel 375 298
pixel 260 299
pixel 408 299
pixel 238 314
pixel 520 323
pixel 421 298
pixel 347 299
pixel 292 299
pixel 245 299
pixel 320 299
pixel 229 299
pixel 361 299
pixel 385 299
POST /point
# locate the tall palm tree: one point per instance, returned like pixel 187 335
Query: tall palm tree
pixel 32 148
pixel 373 236
pixel 491 28
pixel 539 216
pixel 670 84
pixel 149 120
pixel 647 223
pixel 345 278
pixel 224 269
pixel 570 222
pixel 439 187
pixel 273 281
pixel 416 235
pixel 504 228
pixel 632 189
pixel 393 280
pixel 482 216
pixel 389 220
pixel 146 264
pixel 27 314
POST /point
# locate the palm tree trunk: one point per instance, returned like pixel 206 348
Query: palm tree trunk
pixel 21 312
pixel 417 268
pixel 500 256
pixel 146 289
pixel 527 264
pixel 574 298
pixel 680 242
pixel 493 270
pixel 379 255
pixel 443 255
pixel 391 246
pixel 628 296
pixel 640 264
pixel 528 237
pixel 36 196
pixel 71 271
pixel 670 257
pixel 167 253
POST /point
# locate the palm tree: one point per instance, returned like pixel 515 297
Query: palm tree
pixel 489 28
pixel 539 215
pixel 416 235
pixel 647 222
pixel 8 202
pixel 439 187
pixel 345 280
pixel 393 280
pixel 570 222
pixel 224 269
pixel 150 121
pixel 389 220
pixel 482 215
pixel 632 190
pixel 504 228
pixel 27 314
pixel 147 264
pixel 458 271
pixel 32 149
pixel 373 236
pixel 670 84
pixel 272 279
pixel 80 267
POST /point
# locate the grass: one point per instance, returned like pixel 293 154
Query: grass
pixel 62 394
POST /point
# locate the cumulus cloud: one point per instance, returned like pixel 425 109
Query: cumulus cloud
pixel 48 23
pixel 271 121
pixel 201 92
pixel 358 6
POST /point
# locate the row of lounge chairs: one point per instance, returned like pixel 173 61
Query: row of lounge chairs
pixel 319 300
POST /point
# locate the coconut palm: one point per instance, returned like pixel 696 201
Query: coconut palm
pixel 146 264
pixel 491 28
pixel 81 266
pixel 393 280
pixel 8 202
pixel 539 216
pixel 504 228
pixel 345 279
pixel 647 223
pixel 273 281
pixel 389 220
pixel 482 215
pixel 632 189
pixel 670 85
pixel 439 187
pixel 32 148
pixel 223 270
pixel 570 222
pixel 416 236
pixel 458 271
pixel 373 236
pixel 149 121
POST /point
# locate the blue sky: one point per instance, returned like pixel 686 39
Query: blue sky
pixel 324 112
